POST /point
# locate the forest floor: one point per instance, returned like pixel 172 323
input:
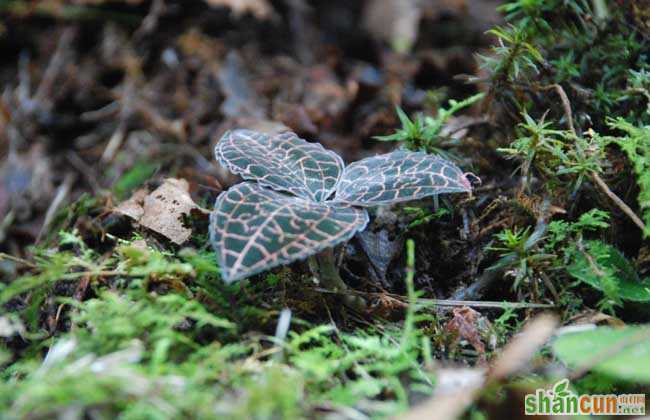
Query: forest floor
pixel 111 299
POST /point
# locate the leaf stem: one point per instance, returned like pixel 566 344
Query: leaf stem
pixel 323 266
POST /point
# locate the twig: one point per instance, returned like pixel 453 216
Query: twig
pixel 23 91
pixel 6 223
pixel 150 22
pixel 445 302
pixel 120 132
pixel 620 203
pixel 104 112
pixel 61 194
pixel 174 128
pixel 487 304
pixel 565 104
pixel 85 169
pixel 594 175
pixel 54 67
pixel 19 260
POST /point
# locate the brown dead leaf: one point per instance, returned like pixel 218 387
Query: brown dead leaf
pixel 162 210
pixel 590 316
pixel 261 9
pixel 465 326
pixel 133 206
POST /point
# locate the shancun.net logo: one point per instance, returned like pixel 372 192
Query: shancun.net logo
pixel 561 400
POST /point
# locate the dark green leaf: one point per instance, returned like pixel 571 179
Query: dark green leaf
pixel 283 162
pixel 605 268
pixel 253 229
pixel 399 176
pixel 630 348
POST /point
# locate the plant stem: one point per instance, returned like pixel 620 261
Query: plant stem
pixel 409 321
pixel 323 266
pixel 594 175
pixel 620 203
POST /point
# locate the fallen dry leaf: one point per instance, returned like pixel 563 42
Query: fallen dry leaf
pixel 162 210
pixel 261 9
pixel 133 206
pixel 590 316
pixel 465 325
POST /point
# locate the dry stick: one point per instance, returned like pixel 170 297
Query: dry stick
pixel 626 209
pixel 444 302
pixel 8 257
pixel 596 178
pixel 565 104
pixel 61 194
pixel 515 357
pixel 55 66
pixel 89 173
pixel 150 21
pixel 126 105
pixel 487 304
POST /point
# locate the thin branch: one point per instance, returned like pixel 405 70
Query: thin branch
pixel 4 256
pixel 444 302
pixel 594 175
pixel 61 195
pixel 565 104
pixel 620 203
pixel 55 66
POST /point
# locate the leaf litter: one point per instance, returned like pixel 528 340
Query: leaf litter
pixel 162 210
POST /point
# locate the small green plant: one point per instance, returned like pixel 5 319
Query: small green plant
pixel 566 67
pixel 600 61
pixel 606 269
pixel 520 254
pixel 423 133
pixel 256 226
pixel 137 352
pixel 515 56
pixel 420 216
pixel 529 255
pixel 538 146
pixel 562 247
pixel 593 262
pixel 560 231
pixel 78 261
pixel 556 153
